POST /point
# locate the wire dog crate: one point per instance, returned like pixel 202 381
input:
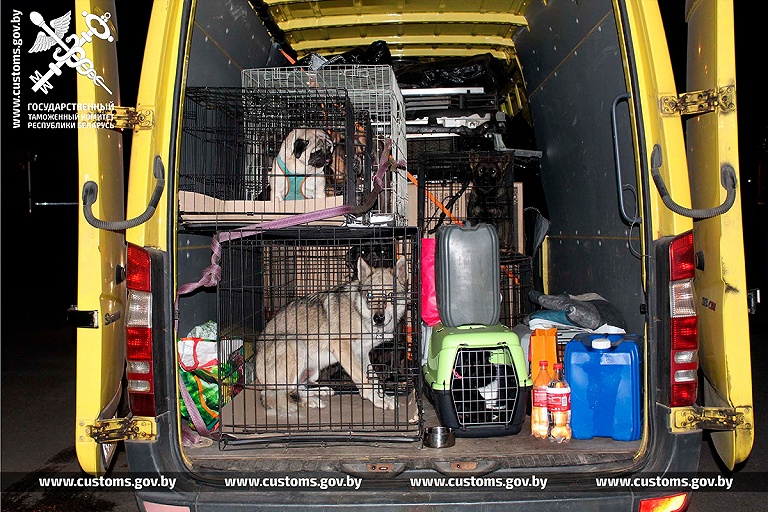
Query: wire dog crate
pixel 516 282
pixel 471 186
pixel 327 317
pixel 371 89
pixel 250 155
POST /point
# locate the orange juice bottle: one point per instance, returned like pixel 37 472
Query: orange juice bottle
pixel 539 419
pixel 559 406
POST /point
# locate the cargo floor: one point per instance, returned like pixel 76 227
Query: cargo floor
pixel 516 451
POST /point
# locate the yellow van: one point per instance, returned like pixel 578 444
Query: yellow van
pixel 640 179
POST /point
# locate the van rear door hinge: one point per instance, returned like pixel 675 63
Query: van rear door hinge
pixel 700 102
pixel 119 429
pixel 133 119
pixel 712 418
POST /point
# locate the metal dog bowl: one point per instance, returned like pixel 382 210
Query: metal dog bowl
pixel 439 437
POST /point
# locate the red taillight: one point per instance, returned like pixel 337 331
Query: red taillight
pixel 139 343
pixel 684 334
pixel 674 503
pixel 138 269
pixel 681 260
pixel 138 334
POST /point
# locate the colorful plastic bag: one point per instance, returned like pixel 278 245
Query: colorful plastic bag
pixel 200 372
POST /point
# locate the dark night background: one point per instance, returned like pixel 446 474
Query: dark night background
pixel 39 247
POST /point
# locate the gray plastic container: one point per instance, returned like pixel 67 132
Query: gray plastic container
pixel 467 275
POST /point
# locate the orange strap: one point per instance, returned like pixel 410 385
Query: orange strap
pixel 436 201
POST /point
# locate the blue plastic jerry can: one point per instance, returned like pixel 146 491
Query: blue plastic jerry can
pixel 604 374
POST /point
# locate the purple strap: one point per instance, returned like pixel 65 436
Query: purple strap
pixel 212 274
pixel 194 414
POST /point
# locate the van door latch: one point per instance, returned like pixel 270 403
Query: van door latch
pixel 700 102
pixel 132 118
pixel 82 318
pixel 712 418
pixel 119 429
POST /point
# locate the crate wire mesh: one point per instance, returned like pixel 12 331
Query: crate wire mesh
pixel 231 141
pixel 371 89
pixel 484 389
pixel 469 186
pixel 516 281
pixel 287 295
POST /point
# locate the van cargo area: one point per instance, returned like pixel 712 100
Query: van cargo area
pixel 543 106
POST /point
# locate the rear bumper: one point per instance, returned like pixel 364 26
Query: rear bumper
pixel 384 501
pixel 672 453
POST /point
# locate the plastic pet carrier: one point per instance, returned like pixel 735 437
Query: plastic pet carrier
pixel 477 379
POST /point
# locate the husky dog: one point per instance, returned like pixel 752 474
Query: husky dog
pixel 298 170
pixel 488 200
pixel 341 325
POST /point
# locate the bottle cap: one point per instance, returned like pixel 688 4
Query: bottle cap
pixel 601 343
pixel 543 363
pixel 558 366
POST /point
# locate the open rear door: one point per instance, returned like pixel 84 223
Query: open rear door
pixel 720 278
pixel 101 290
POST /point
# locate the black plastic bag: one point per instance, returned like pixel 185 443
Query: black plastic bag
pixel 375 53
pixel 478 71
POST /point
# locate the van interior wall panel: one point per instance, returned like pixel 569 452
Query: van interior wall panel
pixel 193 255
pixel 228 37
pixel 572 82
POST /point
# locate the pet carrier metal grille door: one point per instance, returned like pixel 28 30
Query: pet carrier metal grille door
pixel 484 387
pixel 327 317
pixel 373 92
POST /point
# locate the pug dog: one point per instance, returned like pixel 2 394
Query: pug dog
pixel 298 170
pixel 489 201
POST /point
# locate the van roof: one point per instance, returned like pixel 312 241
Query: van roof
pixel 448 28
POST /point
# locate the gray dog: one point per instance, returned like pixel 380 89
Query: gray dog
pixel 338 326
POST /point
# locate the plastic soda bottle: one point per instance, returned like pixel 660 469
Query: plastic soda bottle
pixel 559 406
pixel 539 419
